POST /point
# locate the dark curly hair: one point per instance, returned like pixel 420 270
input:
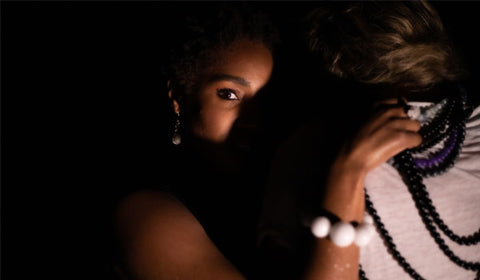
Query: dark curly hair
pixel 203 31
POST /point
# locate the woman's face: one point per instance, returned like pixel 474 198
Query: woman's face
pixel 239 73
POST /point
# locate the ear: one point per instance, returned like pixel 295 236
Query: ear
pixel 171 96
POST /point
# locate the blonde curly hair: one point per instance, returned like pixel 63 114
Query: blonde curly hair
pixel 400 43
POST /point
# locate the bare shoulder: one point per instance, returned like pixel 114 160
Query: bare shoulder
pixel 162 239
pixel 148 208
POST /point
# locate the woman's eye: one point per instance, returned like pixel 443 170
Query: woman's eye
pixel 227 94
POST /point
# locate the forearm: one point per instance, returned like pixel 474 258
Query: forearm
pixel 344 198
pixel 344 194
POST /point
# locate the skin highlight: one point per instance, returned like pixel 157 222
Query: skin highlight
pixel 161 238
pixel 243 70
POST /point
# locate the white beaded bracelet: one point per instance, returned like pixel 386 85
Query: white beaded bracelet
pixel 344 234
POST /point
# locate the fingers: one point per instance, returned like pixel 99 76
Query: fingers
pixel 413 140
pixel 404 124
pixel 391 101
pixel 390 138
pixel 385 135
pixel 389 111
pixel 399 132
pixel 384 117
pixel 385 144
pixel 401 101
pixel 398 142
pixel 400 139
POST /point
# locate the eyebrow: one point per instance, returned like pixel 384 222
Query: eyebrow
pixel 226 77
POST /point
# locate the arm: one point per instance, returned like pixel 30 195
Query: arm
pixel 384 136
pixel 161 239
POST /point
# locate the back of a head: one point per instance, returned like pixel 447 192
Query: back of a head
pixel 395 43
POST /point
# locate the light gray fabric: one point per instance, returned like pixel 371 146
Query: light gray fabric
pixel 456 196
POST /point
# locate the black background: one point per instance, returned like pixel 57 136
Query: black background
pixel 84 117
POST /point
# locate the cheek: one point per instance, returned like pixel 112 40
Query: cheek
pixel 215 123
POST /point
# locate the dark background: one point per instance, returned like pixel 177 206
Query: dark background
pixel 85 119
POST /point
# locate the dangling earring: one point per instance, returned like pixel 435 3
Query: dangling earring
pixel 176 138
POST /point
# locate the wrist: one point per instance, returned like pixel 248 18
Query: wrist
pixel 348 172
pixel 356 159
pixel 344 195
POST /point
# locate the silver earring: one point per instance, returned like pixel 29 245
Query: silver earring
pixel 176 138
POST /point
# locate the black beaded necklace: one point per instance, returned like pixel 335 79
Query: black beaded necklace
pixel 448 127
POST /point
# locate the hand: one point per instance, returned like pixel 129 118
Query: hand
pixel 386 134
